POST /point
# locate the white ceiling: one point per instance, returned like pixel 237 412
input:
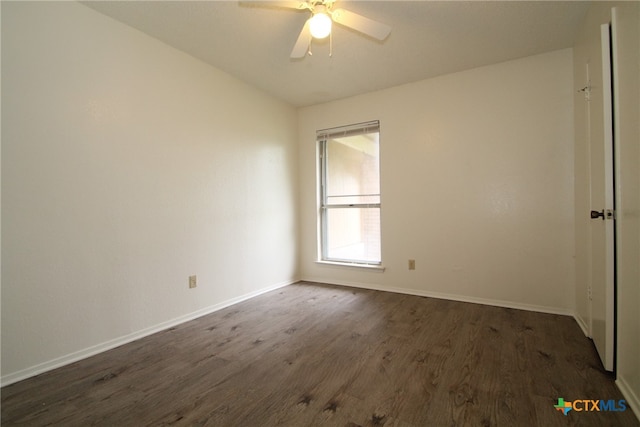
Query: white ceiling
pixel 428 38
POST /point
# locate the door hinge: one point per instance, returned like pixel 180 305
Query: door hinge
pixel 586 91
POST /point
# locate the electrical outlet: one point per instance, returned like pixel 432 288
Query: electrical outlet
pixel 412 264
pixel 193 281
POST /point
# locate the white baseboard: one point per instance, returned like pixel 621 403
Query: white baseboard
pixel 108 345
pixel 582 324
pixel 451 297
pixel 632 399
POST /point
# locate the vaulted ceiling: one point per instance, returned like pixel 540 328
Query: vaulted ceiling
pixel 428 38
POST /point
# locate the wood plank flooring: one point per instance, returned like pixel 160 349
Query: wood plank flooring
pixel 320 355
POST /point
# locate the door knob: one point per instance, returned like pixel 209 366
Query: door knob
pixel 597 214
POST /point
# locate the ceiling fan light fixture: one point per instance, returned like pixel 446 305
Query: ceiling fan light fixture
pixel 320 25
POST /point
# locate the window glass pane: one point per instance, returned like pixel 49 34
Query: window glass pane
pixel 353 234
pixel 353 166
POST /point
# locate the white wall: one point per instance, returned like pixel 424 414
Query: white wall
pixel 126 167
pixel 477 184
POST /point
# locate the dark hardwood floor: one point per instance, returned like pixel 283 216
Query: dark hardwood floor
pixel 319 355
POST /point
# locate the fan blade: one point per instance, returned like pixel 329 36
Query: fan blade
pixel 359 23
pixel 298 5
pixel 302 44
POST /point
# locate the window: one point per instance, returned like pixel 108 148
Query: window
pixel 349 189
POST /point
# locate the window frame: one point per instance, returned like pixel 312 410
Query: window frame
pixel 322 138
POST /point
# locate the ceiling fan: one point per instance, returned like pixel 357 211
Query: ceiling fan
pixel 319 24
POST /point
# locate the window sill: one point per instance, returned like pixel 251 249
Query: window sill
pixel 373 267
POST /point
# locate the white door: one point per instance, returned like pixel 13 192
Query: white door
pixel 602 277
